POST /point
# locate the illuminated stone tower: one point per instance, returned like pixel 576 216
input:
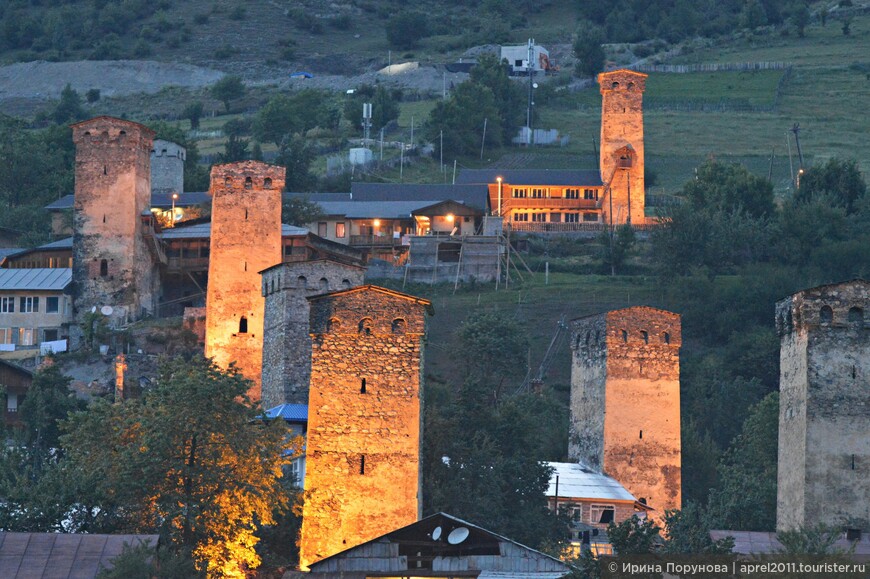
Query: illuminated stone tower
pixel 824 408
pixel 622 157
pixel 625 401
pixel 364 418
pixel 286 339
pixel 245 239
pixel 113 268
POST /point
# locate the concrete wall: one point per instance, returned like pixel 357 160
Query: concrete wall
pixel 167 167
pixel 112 189
pixel 286 340
pixel 363 448
pixel 824 429
pixel 635 379
pixel 245 239
pixel 621 126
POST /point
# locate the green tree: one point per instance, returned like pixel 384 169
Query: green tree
pixel 588 50
pixel 193 111
pixel 70 106
pixel 406 28
pixel 385 106
pixel 800 17
pixel 839 179
pixel 235 149
pixel 461 121
pixel 228 89
pixel 510 97
pixel 817 541
pixel 300 211
pixel 296 154
pixel 616 248
pixel 493 350
pixel 633 536
pixel 729 187
pixel 287 115
pixel 746 497
pixel 187 461
pixel 688 533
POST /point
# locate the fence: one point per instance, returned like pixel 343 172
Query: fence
pixel 711 67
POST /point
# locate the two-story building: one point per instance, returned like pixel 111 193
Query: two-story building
pixel 34 307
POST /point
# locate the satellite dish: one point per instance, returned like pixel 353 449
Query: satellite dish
pixel 106 310
pixel 457 535
pixel 94 310
pixel 436 533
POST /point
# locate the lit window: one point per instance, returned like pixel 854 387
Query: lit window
pixel 25 336
pixel 339 230
pixel 5 335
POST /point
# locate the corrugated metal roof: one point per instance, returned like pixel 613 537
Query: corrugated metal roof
pixel 521 574
pixel 203 231
pixel 289 412
pixel 7 251
pixel 65 202
pixel 65 243
pixel 374 209
pixel 40 279
pixel 579 482
pixel 473 194
pixel 559 177
pixel 329 197
pixel 763 542
pixel 157 200
pixel 62 555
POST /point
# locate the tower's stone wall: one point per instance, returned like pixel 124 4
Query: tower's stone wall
pixel 622 150
pixel 824 418
pixel 625 401
pixel 286 339
pixel 364 418
pixel 167 167
pixel 112 264
pixel 245 239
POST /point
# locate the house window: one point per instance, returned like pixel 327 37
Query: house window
pixel 7 305
pixel 50 335
pixel 572 217
pixel 555 217
pixel 321 229
pixel 519 193
pixel 539 217
pixel 5 335
pixel 537 193
pixel 12 402
pixel 602 514
pixel 590 194
pixel 521 216
pixel 249 183
pixel 267 183
pixel 52 305
pixel 339 230
pixel 572 193
pixel 399 326
pixel 29 305
pixel 826 315
pixel 243 325
pixel 25 336
pixel 590 217
pixel 104 268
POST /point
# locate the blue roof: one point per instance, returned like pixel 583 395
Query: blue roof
pixel 65 243
pixel 289 412
pixel 38 279
pixel 553 177
pixel 157 200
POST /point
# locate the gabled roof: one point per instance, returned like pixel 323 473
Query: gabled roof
pixel 9 252
pixel 479 545
pixel 472 194
pixel 39 279
pixel 331 197
pixel 373 209
pixel 289 412
pixel 368 287
pixel 62 555
pixel 158 199
pixel 203 231
pixel 448 206
pixel 578 482
pixel 529 177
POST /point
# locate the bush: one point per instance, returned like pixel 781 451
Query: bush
pixel 93 95
pixel 406 28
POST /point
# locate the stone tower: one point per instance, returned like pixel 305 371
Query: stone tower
pixel 364 418
pixel 824 408
pixel 622 158
pixel 286 339
pixel 625 401
pixel 113 267
pixel 167 167
pixel 245 239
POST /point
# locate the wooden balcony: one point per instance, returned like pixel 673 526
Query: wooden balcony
pixel 559 203
pixel 568 227
pixel 375 241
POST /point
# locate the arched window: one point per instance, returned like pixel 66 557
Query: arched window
pixel 399 326
pixel 228 181
pixel 104 268
pixel 365 326
pixel 826 315
pixel 345 283
pixel 588 339
pixel 333 325
pixel 362 387
pixel 249 183
pixel 324 284
pixel 614 85
pixel 856 315
pixel 301 282
pixel 644 335
pixel 666 338
pixel 243 325
pixel 267 183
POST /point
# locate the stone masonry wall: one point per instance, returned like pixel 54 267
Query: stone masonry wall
pixel 629 426
pixel 245 239
pixel 824 441
pixel 167 167
pixel 364 419
pixel 621 126
pixel 286 339
pixel 112 265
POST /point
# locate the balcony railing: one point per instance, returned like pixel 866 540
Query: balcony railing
pixel 375 240
pixel 567 227
pixel 547 203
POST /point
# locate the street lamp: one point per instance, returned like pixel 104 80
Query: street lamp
pixel 499 194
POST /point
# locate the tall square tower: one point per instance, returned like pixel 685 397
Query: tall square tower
pixel 364 418
pixel 625 401
pixel 245 239
pixel 823 473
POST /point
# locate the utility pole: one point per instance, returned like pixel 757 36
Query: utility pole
pixel 796 129
pixel 529 110
pixel 483 140
pixel 367 121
